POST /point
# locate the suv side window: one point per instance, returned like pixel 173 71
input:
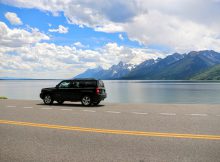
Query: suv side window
pixel 84 84
pixel 65 84
pixel 76 84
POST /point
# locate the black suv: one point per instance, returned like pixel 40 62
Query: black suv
pixel 88 91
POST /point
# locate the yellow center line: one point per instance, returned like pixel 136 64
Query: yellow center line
pixel 111 131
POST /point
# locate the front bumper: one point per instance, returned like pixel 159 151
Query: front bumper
pixel 41 95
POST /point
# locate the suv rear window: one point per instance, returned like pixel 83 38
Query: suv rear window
pixel 100 83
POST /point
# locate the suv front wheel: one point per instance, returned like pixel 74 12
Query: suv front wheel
pixel 48 99
pixel 86 100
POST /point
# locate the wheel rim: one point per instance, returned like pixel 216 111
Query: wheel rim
pixel 86 100
pixel 47 99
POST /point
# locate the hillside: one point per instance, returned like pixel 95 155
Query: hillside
pixel 212 73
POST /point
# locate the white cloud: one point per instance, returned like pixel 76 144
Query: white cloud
pixel 19 37
pixel 112 53
pixel 65 61
pixel 60 29
pixel 13 18
pixel 120 36
pixel 178 24
pixel 109 28
pixel 25 55
pixel 179 34
pixel 79 44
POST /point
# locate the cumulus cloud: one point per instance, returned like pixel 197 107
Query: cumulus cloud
pixel 179 34
pixel 112 53
pixel 65 61
pixel 19 37
pixel 120 36
pixel 109 28
pixel 25 54
pixel 61 29
pixel 79 44
pixel 13 18
pixel 179 25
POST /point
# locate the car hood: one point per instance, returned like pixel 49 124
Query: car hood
pixel 48 89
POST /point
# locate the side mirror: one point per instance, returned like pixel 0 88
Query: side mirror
pixel 57 86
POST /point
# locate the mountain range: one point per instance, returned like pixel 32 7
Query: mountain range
pixel 114 72
pixel 193 65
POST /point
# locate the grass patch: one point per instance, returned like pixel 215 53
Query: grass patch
pixel 3 97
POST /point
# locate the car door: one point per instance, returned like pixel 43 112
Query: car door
pixel 64 90
pixel 87 87
pixel 75 90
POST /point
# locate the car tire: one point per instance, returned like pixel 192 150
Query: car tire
pixel 48 100
pixel 60 102
pixel 96 103
pixel 86 100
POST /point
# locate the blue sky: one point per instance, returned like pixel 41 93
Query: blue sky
pixel 59 39
pixel 87 36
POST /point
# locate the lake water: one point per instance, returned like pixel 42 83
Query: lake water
pixel 127 91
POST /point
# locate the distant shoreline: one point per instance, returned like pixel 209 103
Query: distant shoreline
pixel 189 80
pixel 31 79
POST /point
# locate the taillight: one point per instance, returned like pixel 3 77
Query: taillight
pixel 97 91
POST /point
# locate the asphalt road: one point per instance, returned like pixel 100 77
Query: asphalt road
pixel 31 131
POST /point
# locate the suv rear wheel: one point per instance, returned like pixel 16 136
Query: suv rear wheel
pixel 86 100
pixel 48 99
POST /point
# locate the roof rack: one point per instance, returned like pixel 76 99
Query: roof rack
pixel 84 79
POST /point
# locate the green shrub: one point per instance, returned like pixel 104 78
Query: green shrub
pixel 3 97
